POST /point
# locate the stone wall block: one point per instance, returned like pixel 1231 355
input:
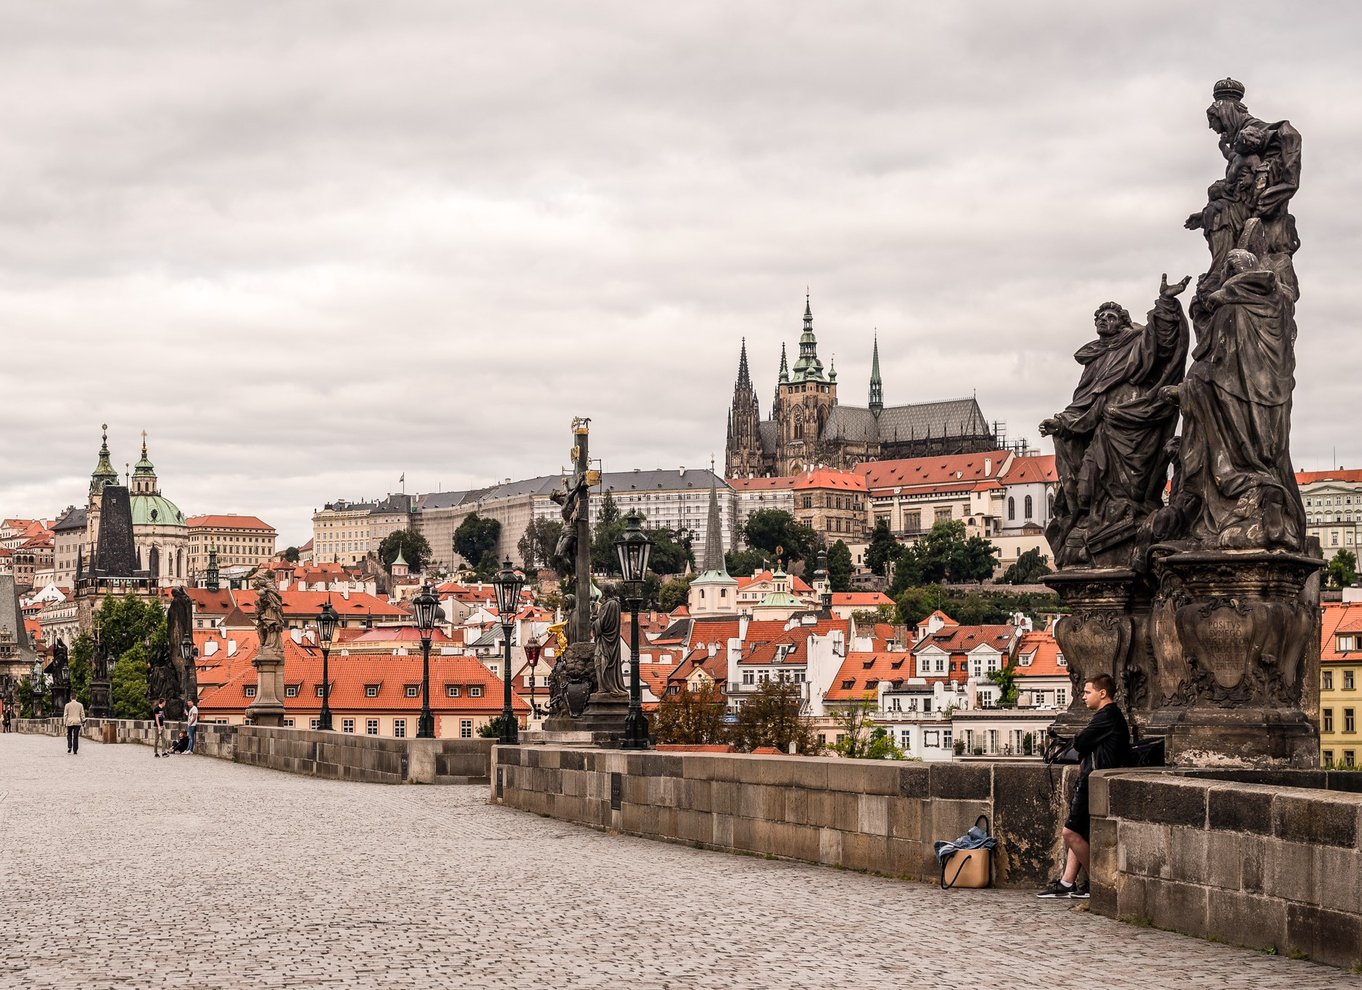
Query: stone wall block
pixel 1291 866
pixel 865 852
pixel 723 831
pixel 724 796
pixel 1248 920
pixel 801 842
pixel 708 766
pixel 1158 798
pixel 1105 865
pixel 1338 879
pixel 1131 898
pixel 909 858
pixel 1179 906
pixel 1323 818
pixel 830 846
pixel 1225 859
pixel 872 814
pixel 864 776
pixel 695 826
pixel 1254 864
pixel 960 781
pixel 1142 849
pixel 1190 855
pixel 1325 936
pixel 796 805
pixel 915 781
pixel 952 819
pixel 905 819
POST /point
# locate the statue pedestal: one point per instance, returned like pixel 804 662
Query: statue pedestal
pixel 1236 640
pixel 100 699
pixel 268 707
pixel 1107 632
pixel 605 713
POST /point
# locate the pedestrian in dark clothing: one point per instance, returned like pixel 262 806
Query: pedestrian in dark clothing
pixel 1104 744
pixel 158 727
pixel 181 745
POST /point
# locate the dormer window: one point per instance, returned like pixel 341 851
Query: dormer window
pixel 290 690
pixel 371 690
pixel 1060 661
pixel 1346 643
pixel 848 685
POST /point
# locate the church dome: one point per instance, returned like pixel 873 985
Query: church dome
pixel 155 510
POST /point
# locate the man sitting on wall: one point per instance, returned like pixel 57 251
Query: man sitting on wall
pixel 1104 744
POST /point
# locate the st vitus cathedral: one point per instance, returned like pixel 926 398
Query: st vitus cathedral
pixel 807 426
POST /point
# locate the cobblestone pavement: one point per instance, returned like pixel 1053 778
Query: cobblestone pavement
pixel 120 870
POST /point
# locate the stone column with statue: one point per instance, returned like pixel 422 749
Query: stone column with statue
pixel 268 706
pixel 1204 608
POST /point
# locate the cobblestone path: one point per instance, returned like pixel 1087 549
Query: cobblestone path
pixel 120 870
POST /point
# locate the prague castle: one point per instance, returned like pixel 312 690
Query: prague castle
pixel 808 427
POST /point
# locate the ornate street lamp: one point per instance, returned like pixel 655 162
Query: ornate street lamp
pixel 633 549
pixel 508 584
pixel 426 605
pixel 326 628
pixel 532 651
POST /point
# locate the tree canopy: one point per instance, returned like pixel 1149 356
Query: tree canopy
pixel 1031 566
pixel 691 717
pixel 771 717
pixel 883 548
pixel 1343 569
pixel 858 738
pixel 476 541
pixel 128 684
pixel 769 529
pixel 415 550
pixel 130 621
pixel 537 544
pixel 839 566
pixel 945 553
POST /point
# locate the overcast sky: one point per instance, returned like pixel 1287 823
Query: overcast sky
pixel 312 246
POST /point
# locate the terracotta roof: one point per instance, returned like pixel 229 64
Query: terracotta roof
pixel 357 603
pixel 861 599
pixel 1031 470
pixel 846 481
pixel 797 584
pixel 1337 474
pixel 955 472
pixel 1338 618
pixel 227 522
pixel 861 673
pixel 1044 653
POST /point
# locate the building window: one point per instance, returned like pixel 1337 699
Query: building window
pixel 1349 720
pixel 371 726
pixel 1327 720
pixel 465 728
pixel 315 723
pixel 347 725
pixel 1327 757
pixel 1327 680
pixel 320 690
pixel 413 690
pixel 475 691
pixel 288 723
pixel 250 690
pixel 451 690
pixel 400 728
pixel 1029 507
pixel 1348 680
pixel 371 690
pixel 1349 759
pixel 1061 697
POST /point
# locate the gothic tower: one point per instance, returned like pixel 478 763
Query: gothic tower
pixel 102 476
pixel 805 400
pixel 743 454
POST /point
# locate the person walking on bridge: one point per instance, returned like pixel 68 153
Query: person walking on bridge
pixel 73 715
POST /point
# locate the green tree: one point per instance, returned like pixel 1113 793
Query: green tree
pixel 492 729
pixel 537 544
pixel 745 563
pixel 915 604
pixel 413 546
pixel 1343 569
pixel 671 551
pixel 1031 566
pixel 858 738
pixel 476 541
pixel 130 621
pixel 883 548
pixel 771 717
pixel 769 529
pixel 945 553
pixel 1006 679
pixel 694 718
pixel 610 511
pixel 82 665
pixel 674 592
pixel 128 684
pixel 292 554
pixel 839 566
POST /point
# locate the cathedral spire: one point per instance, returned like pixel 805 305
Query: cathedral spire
pixel 714 534
pixel 876 386
pixel 744 377
pixel 808 368
pixel 784 368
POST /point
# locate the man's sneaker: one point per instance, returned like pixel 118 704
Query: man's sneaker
pixel 1081 892
pixel 1056 888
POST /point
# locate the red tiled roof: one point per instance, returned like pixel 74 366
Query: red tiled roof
pixel 227 522
pixel 1337 474
pixel 797 584
pixel 1338 618
pixel 357 603
pixel 957 472
pixel 1031 470
pixel 1044 653
pixel 846 481
pixel 861 599
pixel 861 673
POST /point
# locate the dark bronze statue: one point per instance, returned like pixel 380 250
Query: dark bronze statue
pixel 1111 443
pixel 606 630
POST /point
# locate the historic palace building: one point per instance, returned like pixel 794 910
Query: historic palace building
pixel 809 428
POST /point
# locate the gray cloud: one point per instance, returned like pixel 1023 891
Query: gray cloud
pixel 310 247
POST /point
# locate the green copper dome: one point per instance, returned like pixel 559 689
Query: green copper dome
pixel 155 510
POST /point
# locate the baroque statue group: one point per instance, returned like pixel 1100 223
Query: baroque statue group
pixel 1178 527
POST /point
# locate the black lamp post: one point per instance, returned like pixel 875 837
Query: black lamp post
pixel 326 628
pixel 633 549
pixel 532 650
pixel 508 584
pixel 426 605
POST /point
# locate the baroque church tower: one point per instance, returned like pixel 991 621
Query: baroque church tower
pixel 743 451
pixel 806 398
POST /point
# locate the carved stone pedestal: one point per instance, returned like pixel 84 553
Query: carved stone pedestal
pixel 606 713
pixel 1235 636
pixel 101 697
pixel 572 683
pixel 268 707
pixel 1107 632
